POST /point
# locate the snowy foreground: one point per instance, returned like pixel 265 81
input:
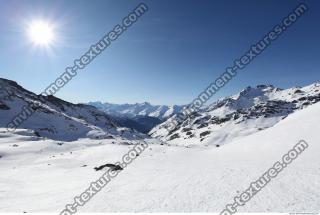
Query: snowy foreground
pixel 42 176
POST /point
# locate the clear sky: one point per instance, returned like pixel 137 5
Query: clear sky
pixel 168 57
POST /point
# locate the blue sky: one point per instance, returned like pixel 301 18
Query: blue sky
pixel 168 57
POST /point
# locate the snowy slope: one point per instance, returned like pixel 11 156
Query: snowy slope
pixel 43 176
pixel 56 119
pixel 250 111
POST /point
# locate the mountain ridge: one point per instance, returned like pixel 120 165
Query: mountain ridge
pixel 138 116
pixel 56 118
pixel 143 109
pixel 251 110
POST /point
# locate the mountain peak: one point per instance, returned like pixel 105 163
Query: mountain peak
pixel 251 110
pixel 143 104
pixel 56 119
pixel 161 112
pixel 8 82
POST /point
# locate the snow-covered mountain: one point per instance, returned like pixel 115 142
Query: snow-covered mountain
pixel 165 178
pixel 57 119
pixel 251 110
pixel 141 117
pixel 161 112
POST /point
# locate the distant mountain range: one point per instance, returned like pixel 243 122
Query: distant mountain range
pixel 251 110
pixel 161 112
pixel 140 116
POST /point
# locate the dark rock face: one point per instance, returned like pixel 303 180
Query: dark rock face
pixel 174 136
pixel 204 133
pixel 113 167
pixel 189 133
pixel 4 106
pixel 186 129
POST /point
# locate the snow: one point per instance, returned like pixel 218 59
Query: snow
pixel 138 109
pixel 251 110
pixel 57 119
pixel 165 178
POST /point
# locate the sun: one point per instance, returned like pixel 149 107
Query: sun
pixel 41 33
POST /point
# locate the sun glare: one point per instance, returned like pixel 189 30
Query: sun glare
pixel 41 33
